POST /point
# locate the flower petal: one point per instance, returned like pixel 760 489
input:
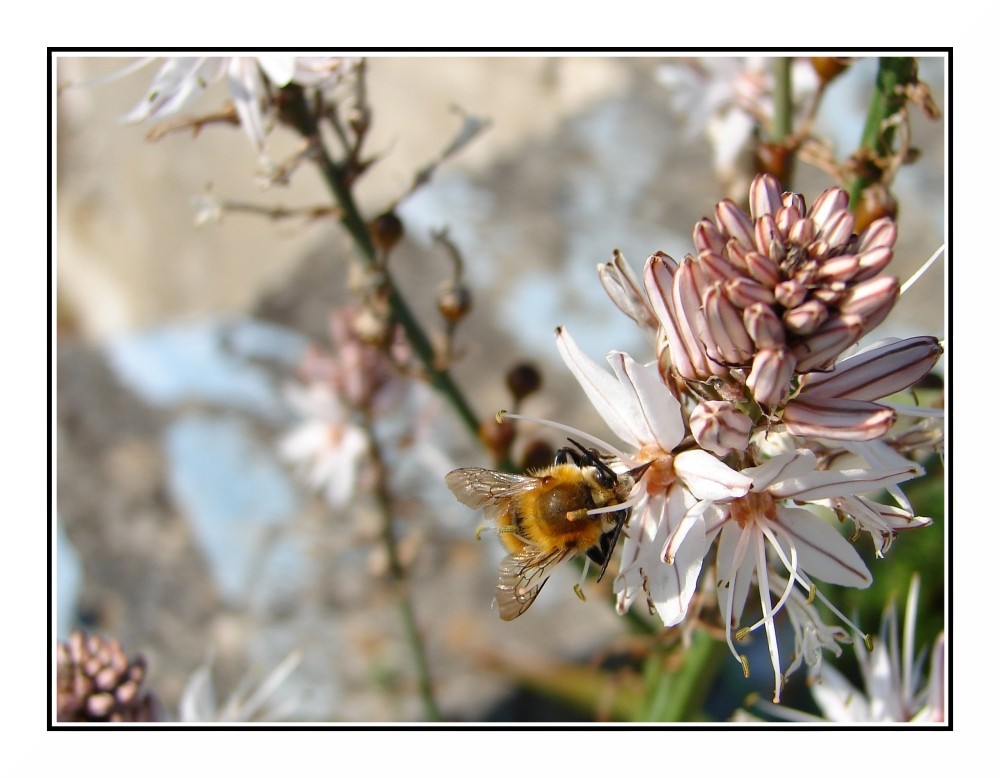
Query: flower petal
pixel 822 551
pixel 709 479
pixel 649 393
pixel 613 402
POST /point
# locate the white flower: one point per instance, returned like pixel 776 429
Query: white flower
pixel 727 98
pixel 664 546
pixel 765 530
pixel 245 704
pixel 181 80
pixel 326 447
pixel 894 686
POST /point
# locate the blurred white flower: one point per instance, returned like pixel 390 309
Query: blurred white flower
pixel 326 447
pixel 246 703
pixel 895 687
pixel 727 98
pixel 181 80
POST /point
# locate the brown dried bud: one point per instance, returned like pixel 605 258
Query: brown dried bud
pixel 876 202
pixel 497 437
pixel 386 231
pixel 828 68
pixel 454 302
pixel 537 455
pixel 775 159
pixel 523 379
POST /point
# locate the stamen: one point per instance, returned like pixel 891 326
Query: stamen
pixel 618 506
pixel 766 608
pixel 503 414
pixel 923 269
pixel 816 593
pixel 579 592
pixel 790 566
pixel 909 627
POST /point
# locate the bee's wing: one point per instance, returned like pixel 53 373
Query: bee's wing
pixel 522 577
pixel 478 488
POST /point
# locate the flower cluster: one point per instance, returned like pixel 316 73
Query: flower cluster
pixel 249 80
pixel 759 431
pixel 351 396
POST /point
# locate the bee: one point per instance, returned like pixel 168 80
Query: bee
pixel 548 516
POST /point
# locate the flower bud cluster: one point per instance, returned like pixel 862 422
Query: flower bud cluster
pixel 97 682
pixel 779 293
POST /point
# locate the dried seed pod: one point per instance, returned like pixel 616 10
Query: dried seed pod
pixel 523 379
pixel 96 682
pixel 386 231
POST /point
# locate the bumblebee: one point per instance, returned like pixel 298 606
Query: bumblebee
pixel 548 516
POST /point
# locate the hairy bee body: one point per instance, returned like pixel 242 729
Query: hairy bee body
pixel 546 517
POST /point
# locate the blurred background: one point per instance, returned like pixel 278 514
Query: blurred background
pixel 182 531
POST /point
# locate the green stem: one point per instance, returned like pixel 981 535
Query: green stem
pixel 298 113
pixel 397 575
pixel 679 695
pixel 782 127
pixel 878 135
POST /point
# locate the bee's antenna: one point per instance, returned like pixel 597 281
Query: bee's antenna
pixel 591 457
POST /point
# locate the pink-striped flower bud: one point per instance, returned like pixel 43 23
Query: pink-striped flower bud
pixel 715 268
pixel 806 318
pixel 840 268
pixel 834 417
pixel 736 253
pixel 870 300
pixel 764 326
pixel 872 262
pixel 828 205
pixel 765 196
pixel 822 348
pixel 830 294
pixel 791 293
pixel 661 279
pixel 726 333
pixel 626 293
pixel 720 427
pixel 802 232
pixel 708 238
pixel 881 233
pixel 766 234
pixel 877 372
pixel 770 376
pixel 838 229
pixel 763 269
pixel 744 292
pixel 795 202
pixel 732 221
